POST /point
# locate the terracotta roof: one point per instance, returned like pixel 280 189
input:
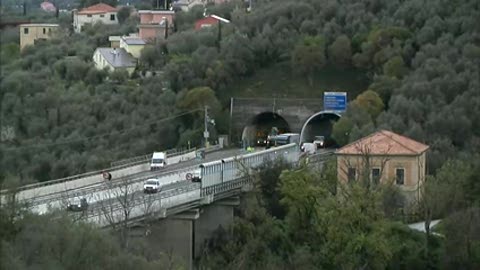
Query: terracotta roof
pixel 47 6
pixel 98 9
pixel 384 142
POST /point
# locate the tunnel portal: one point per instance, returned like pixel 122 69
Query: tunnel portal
pixel 320 124
pixel 256 132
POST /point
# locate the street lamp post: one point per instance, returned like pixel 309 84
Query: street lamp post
pixel 207 121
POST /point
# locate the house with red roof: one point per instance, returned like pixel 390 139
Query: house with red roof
pixel 155 24
pixel 209 21
pixel 97 13
pixel 384 157
pixel 48 7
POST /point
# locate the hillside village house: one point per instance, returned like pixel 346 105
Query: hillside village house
pixel 33 32
pixel 186 5
pixel 93 14
pixel 385 157
pixel 209 21
pixel 114 41
pixel 132 44
pixel 48 7
pixel 153 24
pixel 123 54
pixel 113 59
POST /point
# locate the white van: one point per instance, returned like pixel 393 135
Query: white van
pixel 309 148
pixel 159 160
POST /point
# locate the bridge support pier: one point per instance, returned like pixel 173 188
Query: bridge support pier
pixel 185 234
pixel 175 235
pixel 219 214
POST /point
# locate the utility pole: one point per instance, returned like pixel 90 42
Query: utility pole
pixel 219 37
pixel 166 27
pixel 205 133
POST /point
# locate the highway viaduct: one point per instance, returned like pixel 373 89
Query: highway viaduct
pixel 184 230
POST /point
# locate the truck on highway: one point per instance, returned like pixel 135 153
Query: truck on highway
pixel 159 160
pixel 283 139
pixel 152 185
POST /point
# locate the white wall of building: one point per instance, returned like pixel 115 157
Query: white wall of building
pixel 79 20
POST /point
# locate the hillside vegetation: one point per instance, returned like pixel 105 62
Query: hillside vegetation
pixel 410 66
pixel 423 63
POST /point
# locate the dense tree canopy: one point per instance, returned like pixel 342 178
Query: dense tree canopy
pixel 59 115
pixel 423 62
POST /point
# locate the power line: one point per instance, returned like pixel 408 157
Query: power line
pixel 101 135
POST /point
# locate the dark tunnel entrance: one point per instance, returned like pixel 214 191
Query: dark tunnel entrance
pixel 255 134
pixel 320 124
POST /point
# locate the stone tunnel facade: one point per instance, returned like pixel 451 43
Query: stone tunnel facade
pixel 295 112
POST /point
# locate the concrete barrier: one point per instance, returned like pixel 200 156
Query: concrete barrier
pixel 107 192
pixel 114 213
pixel 133 165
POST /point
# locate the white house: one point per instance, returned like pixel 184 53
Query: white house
pixel 93 14
pixel 114 59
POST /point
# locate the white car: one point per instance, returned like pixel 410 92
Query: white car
pixel 152 186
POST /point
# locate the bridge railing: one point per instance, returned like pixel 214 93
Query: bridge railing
pixel 105 186
pixel 134 161
pixel 216 192
pixel 117 182
pixel 320 157
pixel 147 158
pixel 96 210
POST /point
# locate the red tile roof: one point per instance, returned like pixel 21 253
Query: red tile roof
pixel 384 142
pixel 98 9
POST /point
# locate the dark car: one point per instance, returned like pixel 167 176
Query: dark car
pixel 82 205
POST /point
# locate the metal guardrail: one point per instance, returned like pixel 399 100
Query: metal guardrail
pixel 146 158
pixel 140 201
pixel 116 183
pixel 219 191
pixel 103 186
pixel 132 161
pixel 88 174
pixel 212 148
pixel 128 180
pixel 319 157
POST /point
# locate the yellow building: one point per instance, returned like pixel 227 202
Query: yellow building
pixel 385 157
pixel 33 32
pixel 133 45
pixel 114 41
pixel 114 59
